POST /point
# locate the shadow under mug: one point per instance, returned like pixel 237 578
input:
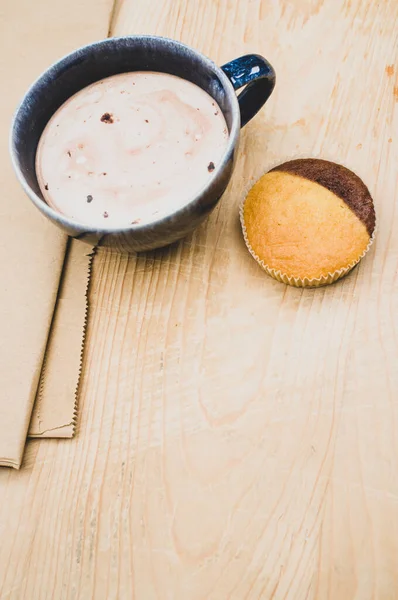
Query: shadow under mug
pixel 140 53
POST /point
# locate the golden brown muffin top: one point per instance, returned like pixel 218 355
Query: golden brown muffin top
pixel 340 181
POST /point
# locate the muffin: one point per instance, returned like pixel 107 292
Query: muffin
pixel 308 222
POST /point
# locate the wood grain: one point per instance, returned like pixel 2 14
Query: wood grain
pixel 237 438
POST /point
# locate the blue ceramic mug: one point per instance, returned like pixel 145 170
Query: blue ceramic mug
pixel 139 53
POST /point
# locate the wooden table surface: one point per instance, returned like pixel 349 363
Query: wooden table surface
pixel 237 438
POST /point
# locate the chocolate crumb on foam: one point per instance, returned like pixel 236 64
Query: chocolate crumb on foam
pixel 107 118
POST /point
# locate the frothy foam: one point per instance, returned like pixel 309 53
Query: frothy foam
pixel 130 148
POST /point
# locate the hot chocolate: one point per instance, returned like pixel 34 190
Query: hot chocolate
pixel 129 148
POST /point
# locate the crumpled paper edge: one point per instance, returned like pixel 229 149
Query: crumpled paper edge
pixel 63 430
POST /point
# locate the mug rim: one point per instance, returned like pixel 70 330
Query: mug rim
pixel 75 225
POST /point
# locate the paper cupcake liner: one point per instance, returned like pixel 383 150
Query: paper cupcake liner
pixel 298 281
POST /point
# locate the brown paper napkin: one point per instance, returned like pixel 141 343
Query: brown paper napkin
pixel 32 250
pixel 55 409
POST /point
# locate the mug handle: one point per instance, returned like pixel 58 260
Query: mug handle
pixel 258 75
